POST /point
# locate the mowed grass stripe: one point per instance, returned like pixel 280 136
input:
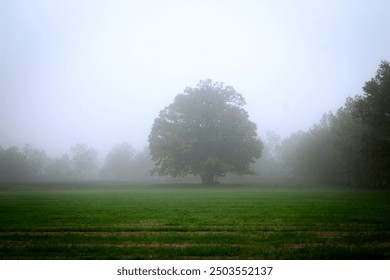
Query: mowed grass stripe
pixel 143 222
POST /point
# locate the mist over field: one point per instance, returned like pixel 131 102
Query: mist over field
pixel 82 83
pixel 209 129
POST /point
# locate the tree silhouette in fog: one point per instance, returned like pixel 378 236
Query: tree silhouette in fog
pixel 205 132
pixel 118 162
pixel 351 146
pixel 84 161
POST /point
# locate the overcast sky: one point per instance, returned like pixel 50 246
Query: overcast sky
pixel 99 72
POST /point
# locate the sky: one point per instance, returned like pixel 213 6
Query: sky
pixel 99 72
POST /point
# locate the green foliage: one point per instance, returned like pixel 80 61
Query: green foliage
pixel 118 163
pixel 26 164
pixel 31 164
pixel 205 132
pixel 59 169
pixel 351 146
pixel 269 165
pixel 84 161
pixel 142 166
pixel 123 163
pixel 311 155
pixel 35 161
pixel 374 111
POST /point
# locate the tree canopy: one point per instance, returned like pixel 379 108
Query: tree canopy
pixel 84 160
pixel 118 162
pixel 373 110
pixel 205 132
pixel 351 146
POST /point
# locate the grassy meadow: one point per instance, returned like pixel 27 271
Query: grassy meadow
pixel 65 221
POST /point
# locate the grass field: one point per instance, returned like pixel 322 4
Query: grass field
pixel 192 222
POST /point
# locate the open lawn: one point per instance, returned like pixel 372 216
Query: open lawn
pixel 49 221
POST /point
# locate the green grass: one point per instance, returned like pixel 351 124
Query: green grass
pixel 192 222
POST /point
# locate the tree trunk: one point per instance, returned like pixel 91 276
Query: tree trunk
pixel 208 178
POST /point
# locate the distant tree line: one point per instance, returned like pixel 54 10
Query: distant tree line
pixel 197 134
pixel 350 146
pixel 30 164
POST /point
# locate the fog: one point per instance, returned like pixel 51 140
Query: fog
pixel 99 72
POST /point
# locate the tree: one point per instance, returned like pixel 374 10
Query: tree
pixel 12 164
pixel 59 169
pixel 269 165
pixel 205 132
pixel 348 131
pixel 142 166
pixel 35 162
pixel 290 153
pixel 312 156
pixel 84 161
pixel 373 109
pixel 118 162
pixel 351 146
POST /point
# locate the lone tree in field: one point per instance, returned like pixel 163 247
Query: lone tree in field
pixel 205 132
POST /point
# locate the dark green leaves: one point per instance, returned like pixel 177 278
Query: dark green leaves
pixel 204 132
